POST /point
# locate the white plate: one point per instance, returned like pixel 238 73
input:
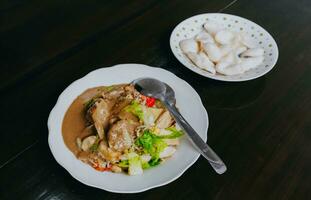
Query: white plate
pixel 193 25
pixel 188 101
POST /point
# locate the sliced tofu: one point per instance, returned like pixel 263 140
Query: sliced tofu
pixel 156 112
pixel 151 115
pixel 165 120
pixel 162 132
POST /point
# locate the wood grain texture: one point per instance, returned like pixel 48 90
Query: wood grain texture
pixel 260 128
pixel 55 77
pixel 56 30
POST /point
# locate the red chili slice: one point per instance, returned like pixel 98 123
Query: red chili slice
pixel 150 101
pixel 101 169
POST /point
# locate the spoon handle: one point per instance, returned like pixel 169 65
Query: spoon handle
pixel 204 149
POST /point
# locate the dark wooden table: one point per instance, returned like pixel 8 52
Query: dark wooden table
pixel 261 128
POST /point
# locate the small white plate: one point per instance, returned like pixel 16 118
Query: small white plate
pixel 193 25
pixel 188 102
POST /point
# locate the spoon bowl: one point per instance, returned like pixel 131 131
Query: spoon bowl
pixel 150 87
pixel 163 92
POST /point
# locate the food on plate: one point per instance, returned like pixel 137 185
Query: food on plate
pixel 224 37
pixel 204 37
pixel 213 52
pixel 115 128
pixel 189 45
pixel 218 50
pixel 211 27
pixel 201 60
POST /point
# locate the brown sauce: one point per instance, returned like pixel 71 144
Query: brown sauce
pixel 74 121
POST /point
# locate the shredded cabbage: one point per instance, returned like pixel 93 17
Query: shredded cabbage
pixel 123 164
pixel 152 145
pixel 174 133
pixel 135 166
pixel 145 165
pixel 150 115
pixel 136 109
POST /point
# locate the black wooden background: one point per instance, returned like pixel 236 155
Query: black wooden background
pixel 261 128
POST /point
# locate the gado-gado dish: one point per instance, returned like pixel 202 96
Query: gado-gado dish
pixel 220 50
pixel 115 128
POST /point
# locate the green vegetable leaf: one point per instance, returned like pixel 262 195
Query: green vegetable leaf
pixel 135 165
pixel 95 146
pixel 174 133
pixel 145 140
pixel 154 162
pixel 145 165
pixel 91 102
pixel 158 146
pixel 136 109
pixel 123 163
pixel 106 88
pixel 151 144
pixel 109 88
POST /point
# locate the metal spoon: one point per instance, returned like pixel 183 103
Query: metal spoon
pixel 163 92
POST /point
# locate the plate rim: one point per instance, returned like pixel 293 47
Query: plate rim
pixel 197 71
pixel 61 162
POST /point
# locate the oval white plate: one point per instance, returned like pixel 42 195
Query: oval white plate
pixel 193 25
pixel 188 101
